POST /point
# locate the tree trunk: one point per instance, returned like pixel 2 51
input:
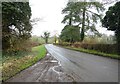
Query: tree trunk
pixel 70 20
pixel 83 25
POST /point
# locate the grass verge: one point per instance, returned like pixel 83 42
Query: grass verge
pixel 114 56
pixel 14 65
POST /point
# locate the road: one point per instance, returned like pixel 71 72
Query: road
pixel 46 70
pixel 85 67
pixel 63 65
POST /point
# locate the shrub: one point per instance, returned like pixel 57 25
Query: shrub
pixel 105 48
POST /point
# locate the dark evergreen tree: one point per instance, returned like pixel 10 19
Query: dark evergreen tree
pixel 16 26
pixel 112 21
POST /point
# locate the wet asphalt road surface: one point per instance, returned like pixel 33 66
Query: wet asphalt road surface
pixel 85 67
pixel 63 65
pixel 46 70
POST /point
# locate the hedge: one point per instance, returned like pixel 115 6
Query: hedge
pixel 105 48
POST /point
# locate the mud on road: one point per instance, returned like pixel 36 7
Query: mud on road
pixel 46 70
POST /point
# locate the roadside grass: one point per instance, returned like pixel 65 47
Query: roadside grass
pixel 114 56
pixel 14 64
pixel 10 56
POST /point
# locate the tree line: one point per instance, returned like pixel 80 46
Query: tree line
pixel 80 17
pixel 79 20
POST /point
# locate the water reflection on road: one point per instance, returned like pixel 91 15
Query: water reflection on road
pixel 85 67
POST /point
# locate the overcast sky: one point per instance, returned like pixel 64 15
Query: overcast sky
pixel 50 13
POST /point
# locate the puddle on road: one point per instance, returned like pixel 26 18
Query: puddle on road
pixel 53 61
pixel 54 72
pixel 59 63
pixel 48 54
pixel 57 69
pixel 48 69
